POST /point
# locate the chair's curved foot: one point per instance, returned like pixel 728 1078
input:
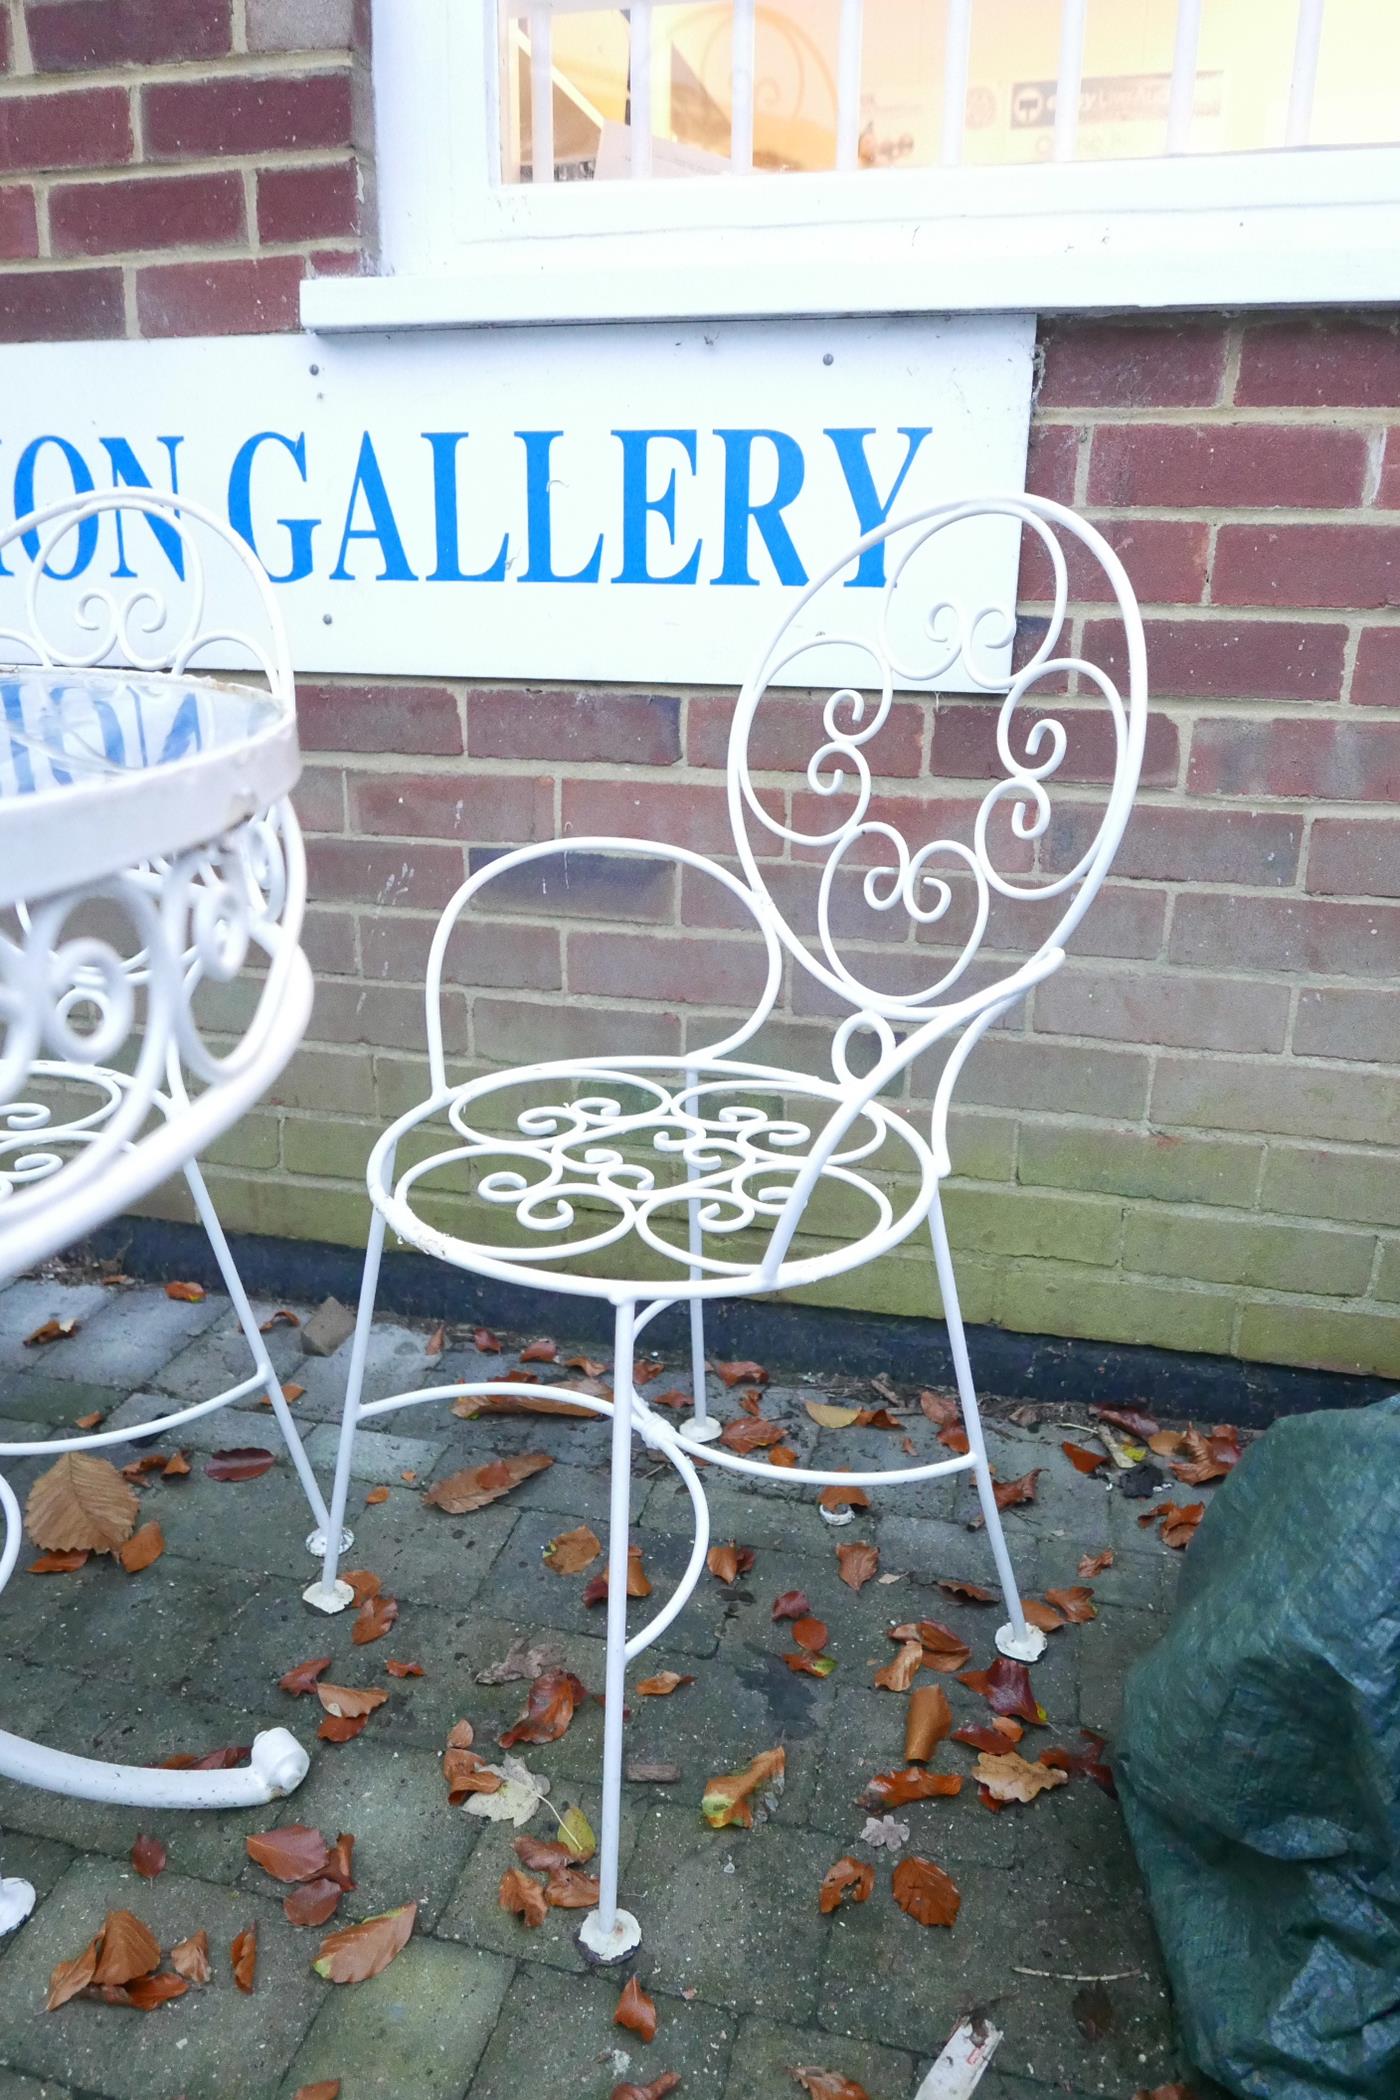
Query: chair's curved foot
pixel 16 1902
pixel 316 1541
pixel 329 1597
pixel 279 1761
pixel 1027 1649
pixel 702 1429
pixel 277 1766
pixel 604 1947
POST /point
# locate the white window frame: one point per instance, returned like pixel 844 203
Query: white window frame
pixel 459 248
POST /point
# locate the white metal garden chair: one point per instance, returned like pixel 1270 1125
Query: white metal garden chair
pixel 64 1117
pixel 608 1152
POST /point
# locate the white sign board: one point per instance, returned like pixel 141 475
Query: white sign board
pixel 630 504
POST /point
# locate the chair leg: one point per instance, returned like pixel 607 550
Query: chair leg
pixel 329 1594
pixel 608 1933
pixel 1018 1638
pixel 701 1424
pixel 262 1362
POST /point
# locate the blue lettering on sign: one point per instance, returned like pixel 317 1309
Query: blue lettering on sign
pixel 240 503
pixel 369 482
pixel 764 472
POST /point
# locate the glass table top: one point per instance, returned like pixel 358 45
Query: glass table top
pixel 63 729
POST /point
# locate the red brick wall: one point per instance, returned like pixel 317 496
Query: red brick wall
pixel 1190 1137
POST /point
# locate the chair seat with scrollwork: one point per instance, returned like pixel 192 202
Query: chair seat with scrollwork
pixel 651 1181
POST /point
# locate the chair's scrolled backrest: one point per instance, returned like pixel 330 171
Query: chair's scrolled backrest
pixel 137 578
pixel 964 775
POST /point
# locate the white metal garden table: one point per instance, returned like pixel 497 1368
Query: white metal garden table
pixel 146 849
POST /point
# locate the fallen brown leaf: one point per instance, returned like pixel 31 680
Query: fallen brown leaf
pixel 127 1949
pixel 747 1433
pixel 838 1497
pixel 1008 1777
pixel 437 1341
pixel 90 1421
pixel 727 1799
pixel 376 1495
pixel 782 1455
pixel 1077 1603
pixel 1129 1419
pixel 848 1881
pixel 927 1719
pixel 61 1563
pixel 51 1331
pixel 969 1592
pixel 925 1891
pixel 636 2011
pixel 283 1317
pixel 657 2090
pixel 523 1896
pixel 402 1669
pixel 80 1502
pixel 1009 1494
pixel 473 1488
pixel 68 1978
pixel 1084 1461
pixel 955 1439
pixel 943 1649
pixel 190 1958
pixel 373 1620
pixel 549 1708
pixel 303 1677
pixel 347 1702
pixel 148 1857
pixel 994 1736
pixel 1095 1563
pixel 941 1408
pixel 244 1956
pixel 362 1583
pixel 1044 1616
pixel 662 1684
pixel 292 1852
pixel 542 1351
pixel 358 1952
pixel 187 1293
pixel 857 1562
pixel 728 1563
pixel 591 1366
pixel 1180 1522
pixel 1088 1763
pixel 487 1343
pixel 248 1462
pixel 1006 1687
pixel 811 1634
pixel 826 2085
pixel 1208 1457
pixel 572 1551
pixel 145 1546
pixel 895 1789
pixel 145 1993
pixel 324 2089
pixel 898 1675
pixel 313 1902
pixel 792 1604
pixel 740 1373
pixel 568 1889
pixel 638 1581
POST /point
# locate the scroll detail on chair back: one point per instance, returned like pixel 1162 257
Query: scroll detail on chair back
pixel 649 1180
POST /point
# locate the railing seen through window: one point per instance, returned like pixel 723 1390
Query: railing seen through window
pixel 769 87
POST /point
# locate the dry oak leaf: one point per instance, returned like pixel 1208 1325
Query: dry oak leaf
pixel 373 1620
pixel 190 1958
pixel 826 2085
pixel 522 1895
pixel 347 1702
pixel 148 1857
pixel 1208 1457
pixel 749 1433
pixel 897 1789
pixel 81 1502
pixel 1082 1460
pixel 51 1331
pixel 187 1293
pixel 1095 1563
pixel 662 1684
pixel 792 1604
pixel 838 1497
pixel 856 1563
pixel 143 1547
pixel 969 1592
pixel 1179 1525
pixel 1088 1762
pixel 477 1485
pixel 245 1462
pixel 897 1676
pixel 728 1563
pixel 568 1889
pixel 302 1677
pixel 466 1772
pixel 927 1719
pixel 848 1881
pixel 293 1852
pixel 572 1551
pixel 1006 1687
pixel 925 1891
pixel 313 1902
pixel 1077 1603
pixel 549 1708
pixel 657 2090
pixel 636 2011
pixel 60 1563
pixel 638 1581
pixel 244 1956
pixel 1008 1777
pixel 1009 1494
pixel 740 1373
pixel 727 1799
pixel 364 1950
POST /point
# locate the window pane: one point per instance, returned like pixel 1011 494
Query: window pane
pixel 663 91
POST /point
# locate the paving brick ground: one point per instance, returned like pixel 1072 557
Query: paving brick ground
pixel 749 1979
